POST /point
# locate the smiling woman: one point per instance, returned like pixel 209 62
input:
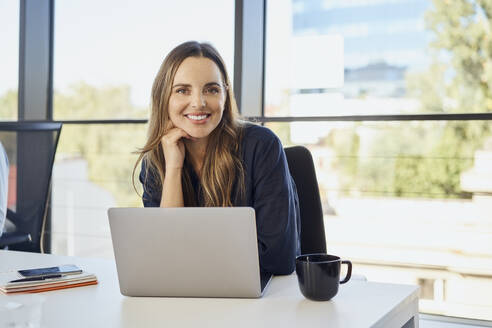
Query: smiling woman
pixel 199 153
pixel 181 96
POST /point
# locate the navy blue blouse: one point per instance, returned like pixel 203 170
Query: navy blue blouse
pixel 270 190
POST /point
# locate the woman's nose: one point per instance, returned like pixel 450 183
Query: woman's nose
pixel 198 100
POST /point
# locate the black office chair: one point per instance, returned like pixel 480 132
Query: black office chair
pixel 31 148
pixel 301 167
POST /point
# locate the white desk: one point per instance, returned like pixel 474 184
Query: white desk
pixel 358 303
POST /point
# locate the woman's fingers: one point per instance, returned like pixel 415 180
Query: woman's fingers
pixel 173 148
pixel 176 133
pixel 173 135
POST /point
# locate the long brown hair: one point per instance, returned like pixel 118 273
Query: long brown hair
pixel 222 169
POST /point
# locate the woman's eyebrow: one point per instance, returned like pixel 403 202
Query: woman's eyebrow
pixel 212 83
pixel 181 85
pixel 189 85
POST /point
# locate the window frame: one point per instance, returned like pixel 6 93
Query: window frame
pixel 36 54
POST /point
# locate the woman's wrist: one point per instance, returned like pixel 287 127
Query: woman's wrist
pixel 174 169
pixel 171 188
pixel 172 177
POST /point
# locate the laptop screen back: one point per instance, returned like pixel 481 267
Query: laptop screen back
pixel 188 252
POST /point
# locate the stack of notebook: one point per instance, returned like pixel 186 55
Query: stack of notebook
pixel 13 282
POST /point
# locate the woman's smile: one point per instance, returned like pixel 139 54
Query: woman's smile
pixel 198 118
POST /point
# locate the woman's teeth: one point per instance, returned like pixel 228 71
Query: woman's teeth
pixel 197 117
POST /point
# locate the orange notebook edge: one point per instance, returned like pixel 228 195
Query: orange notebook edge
pixel 32 291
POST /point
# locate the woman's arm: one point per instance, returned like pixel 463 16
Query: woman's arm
pixel 169 193
pixel 277 208
pixel 174 153
pixel 172 190
pixel 151 194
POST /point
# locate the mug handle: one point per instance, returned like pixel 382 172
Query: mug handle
pixel 349 271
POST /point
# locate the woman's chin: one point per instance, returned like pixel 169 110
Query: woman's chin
pixel 197 136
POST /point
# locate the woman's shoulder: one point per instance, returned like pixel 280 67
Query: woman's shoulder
pixel 258 140
pixel 256 133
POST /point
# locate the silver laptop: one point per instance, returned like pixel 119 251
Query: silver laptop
pixel 187 252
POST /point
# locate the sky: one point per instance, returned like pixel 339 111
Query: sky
pixel 115 42
pixel 123 42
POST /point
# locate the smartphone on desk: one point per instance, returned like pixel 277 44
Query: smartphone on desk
pixel 51 271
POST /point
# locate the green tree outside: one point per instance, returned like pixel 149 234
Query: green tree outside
pixel 459 84
pixel 426 159
pixel 108 149
pixel 8 105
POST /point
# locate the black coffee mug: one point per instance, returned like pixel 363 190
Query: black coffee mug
pixel 319 275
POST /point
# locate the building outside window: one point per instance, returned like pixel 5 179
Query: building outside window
pixel 407 201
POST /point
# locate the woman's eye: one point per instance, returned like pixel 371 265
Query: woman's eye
pixel 181 91
pixel 213 91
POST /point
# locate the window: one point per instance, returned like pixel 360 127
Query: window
pixel 9 59
pixel 92 173
pixel 106 57
pixel 108 53
pixel 406 200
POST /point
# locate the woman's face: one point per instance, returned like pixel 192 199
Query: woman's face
pixel 197 97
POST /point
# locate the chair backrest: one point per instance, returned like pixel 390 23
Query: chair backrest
pixel 301 167
pixel 31 148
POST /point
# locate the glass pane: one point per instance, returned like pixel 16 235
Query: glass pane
pixel 9 58
pixel 366 57
pixel 108 53
pixel 8 140
pixel 409 202
pixel 92 172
